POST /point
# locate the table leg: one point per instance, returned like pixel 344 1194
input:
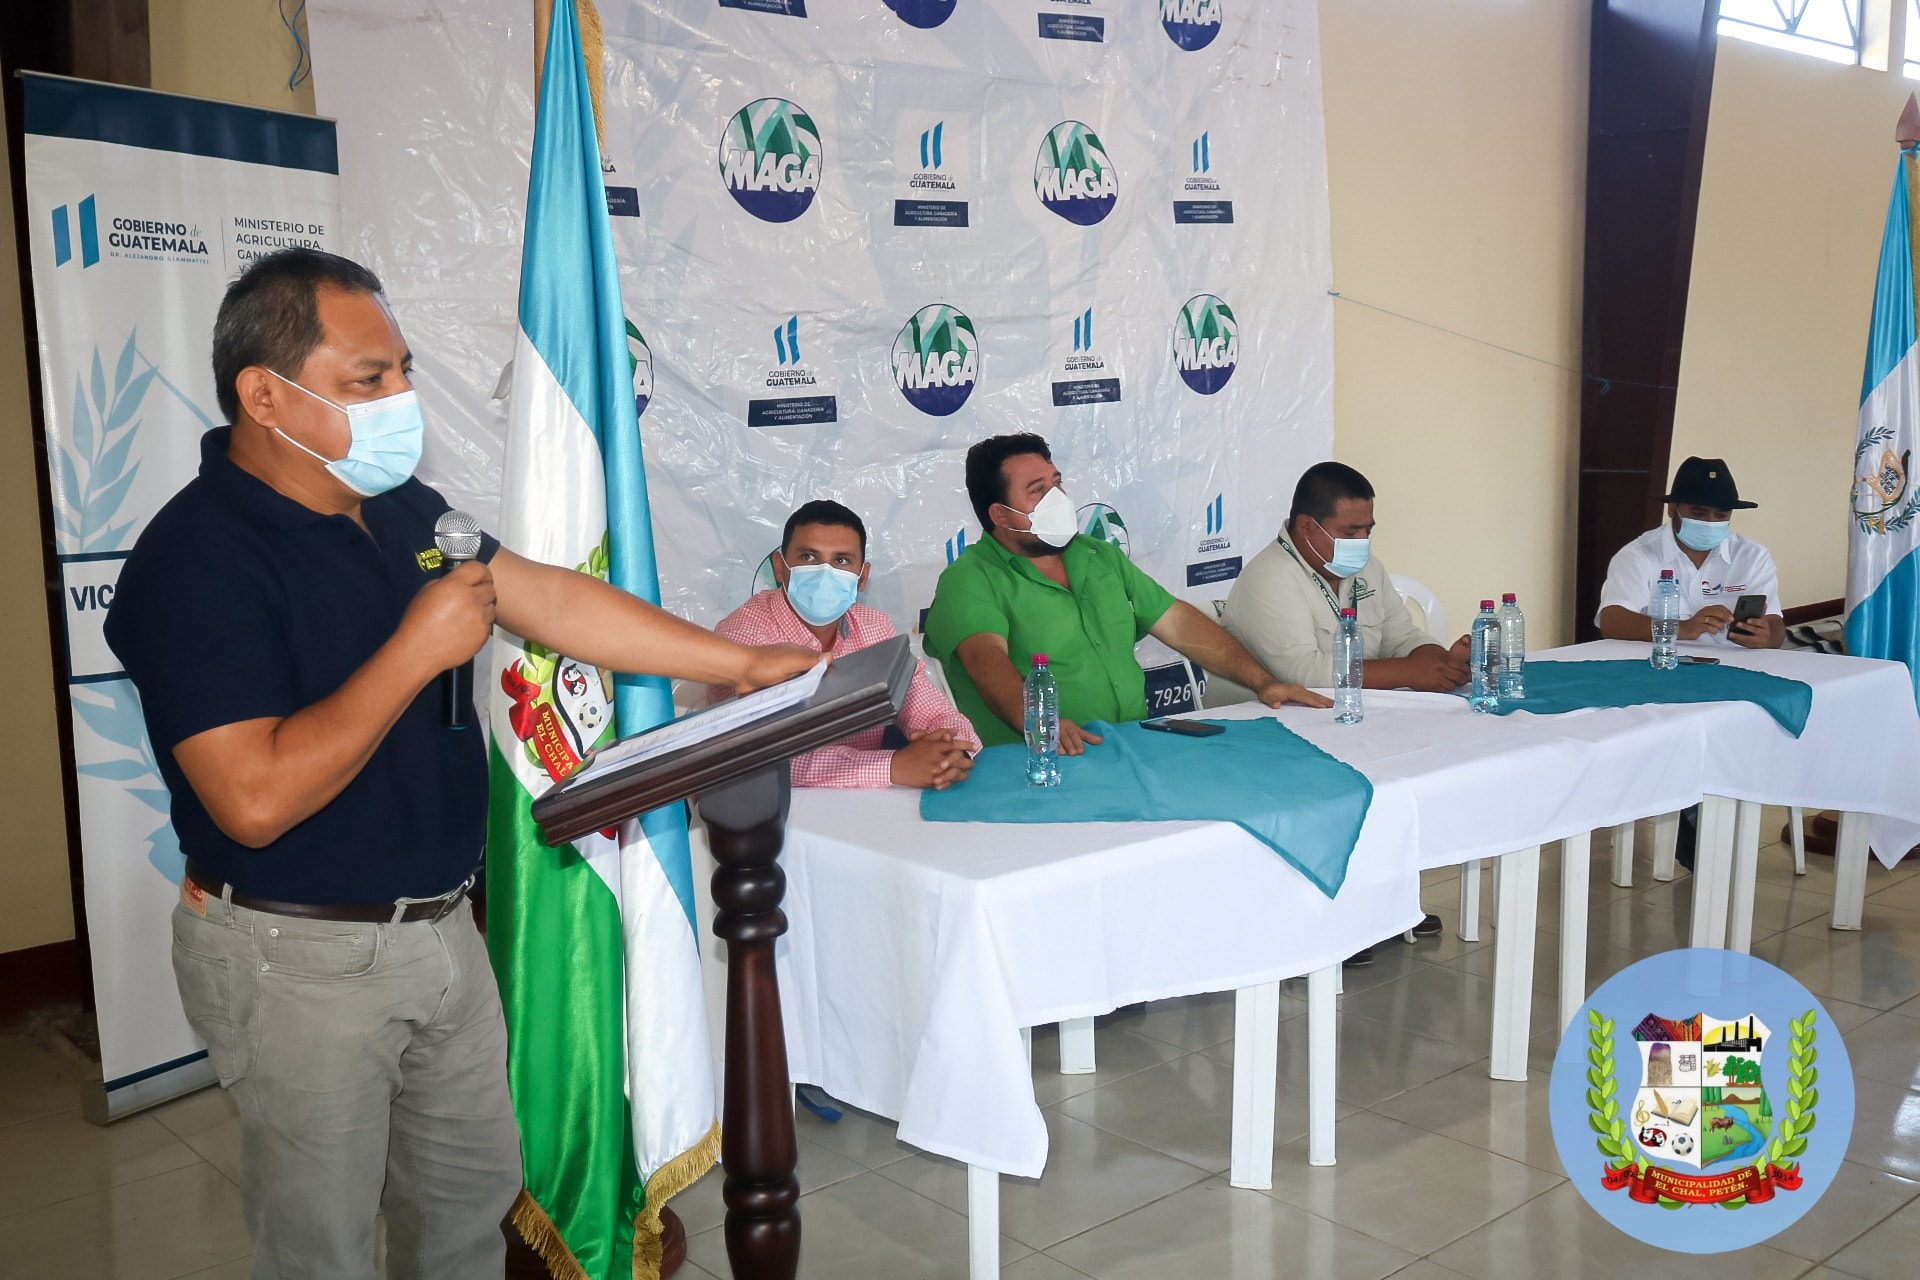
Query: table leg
pixel 1666 835
pixel 1516 917
pixel 1576 858
pixel 1076 1047
pixel 983 1223
pixel 1323 1063
pixel 1850 870
pixel 1623 855
pixel 1256 1067
pixel 1470 901
pixel 1746 868
pixel 1712 871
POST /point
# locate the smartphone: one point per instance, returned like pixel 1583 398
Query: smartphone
pixel 1185 728
pixel 1747 608
pixel 1698 660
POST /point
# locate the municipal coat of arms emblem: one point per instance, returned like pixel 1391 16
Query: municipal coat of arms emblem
pixel 1717 1129
pixel 1702 1103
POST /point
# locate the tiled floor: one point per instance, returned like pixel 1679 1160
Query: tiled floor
pixel 1443 1172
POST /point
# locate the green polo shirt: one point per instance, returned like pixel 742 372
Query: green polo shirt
pixel 1087 632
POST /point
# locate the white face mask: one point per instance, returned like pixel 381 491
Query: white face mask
pixel 387 435
pixel 1053 520
pixel 1350 555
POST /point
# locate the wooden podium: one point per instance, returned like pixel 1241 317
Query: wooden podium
pixel 741 779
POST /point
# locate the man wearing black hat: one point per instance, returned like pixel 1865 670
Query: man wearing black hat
pixel 1713 566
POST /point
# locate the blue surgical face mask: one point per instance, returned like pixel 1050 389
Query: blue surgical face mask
pixel 1350 555
pixel 820 593
pixel 387 436
pixel 1703 535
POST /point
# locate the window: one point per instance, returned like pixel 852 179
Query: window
pixel 1912 61
pixel 1827 29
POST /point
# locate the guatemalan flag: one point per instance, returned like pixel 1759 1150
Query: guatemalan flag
pixel 593 943
pixel 1883 549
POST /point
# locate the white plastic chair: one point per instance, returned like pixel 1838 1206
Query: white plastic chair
pixel 1433 617
pixel 917 642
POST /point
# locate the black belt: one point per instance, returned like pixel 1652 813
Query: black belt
pixel 358 912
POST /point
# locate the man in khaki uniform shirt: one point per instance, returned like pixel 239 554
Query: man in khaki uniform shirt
pixel 1285 606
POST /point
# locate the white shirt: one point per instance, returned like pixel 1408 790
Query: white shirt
pixel 1737 567
pixel 1281 611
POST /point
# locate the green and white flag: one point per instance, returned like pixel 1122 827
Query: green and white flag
pixel 593 942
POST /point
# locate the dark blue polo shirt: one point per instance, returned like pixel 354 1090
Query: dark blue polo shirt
pixel 239 603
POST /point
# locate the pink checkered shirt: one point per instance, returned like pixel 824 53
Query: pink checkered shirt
pixel 859 761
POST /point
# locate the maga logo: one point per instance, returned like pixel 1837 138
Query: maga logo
pixel 1191 24
pixel 1073 176
pixel 936 359
pixel 924 14
pixel 770 159
pixel 1206 343
pixel 640 363
pixel 1098 520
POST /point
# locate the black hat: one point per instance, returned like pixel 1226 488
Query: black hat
pixel 1706 482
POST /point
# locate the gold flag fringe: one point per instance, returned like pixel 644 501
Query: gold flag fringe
pixel 668 1181
pixel 537 1229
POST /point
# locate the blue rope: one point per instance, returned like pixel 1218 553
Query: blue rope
pixel 303 60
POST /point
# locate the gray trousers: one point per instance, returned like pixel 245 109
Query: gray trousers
pixel 369 1062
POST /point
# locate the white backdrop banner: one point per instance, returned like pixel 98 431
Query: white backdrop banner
pixel 141 207
pixel 858 237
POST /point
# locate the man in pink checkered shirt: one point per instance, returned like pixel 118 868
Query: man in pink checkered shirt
pixel 821 566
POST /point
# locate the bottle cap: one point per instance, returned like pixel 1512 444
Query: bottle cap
pixel 1665 574
pixel 1039 659
pixel 1486 604
pixel 1509 598
pixel 1347 613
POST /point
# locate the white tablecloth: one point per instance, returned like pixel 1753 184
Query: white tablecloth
pixel 919 950
pixel 1860 750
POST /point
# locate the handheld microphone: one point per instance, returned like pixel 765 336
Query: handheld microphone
pixel 457 534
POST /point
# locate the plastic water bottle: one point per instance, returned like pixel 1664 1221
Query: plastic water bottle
pixel 1485 693
pixel 1665 613
pixel 1043 726
pixel 1349 666
pixel 1513 649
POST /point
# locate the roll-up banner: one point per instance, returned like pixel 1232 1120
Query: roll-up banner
pixel 141 207
pixel 855 237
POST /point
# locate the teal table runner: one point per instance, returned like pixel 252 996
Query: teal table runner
pixel 1287 793
pixel 1554 687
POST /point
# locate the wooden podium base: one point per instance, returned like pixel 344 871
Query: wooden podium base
pixel 1822 832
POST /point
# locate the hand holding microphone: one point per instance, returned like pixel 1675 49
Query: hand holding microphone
pixel 458 612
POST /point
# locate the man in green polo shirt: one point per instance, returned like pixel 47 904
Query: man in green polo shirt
pixel 1033 586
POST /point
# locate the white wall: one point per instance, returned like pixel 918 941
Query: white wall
pixel 1799 164
pixel 1456 149
pixel 33 840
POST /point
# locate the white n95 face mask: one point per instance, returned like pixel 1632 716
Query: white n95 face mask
pixel 1053 520
pixel 387 435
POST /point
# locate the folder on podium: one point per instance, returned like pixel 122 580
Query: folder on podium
pixel 702 750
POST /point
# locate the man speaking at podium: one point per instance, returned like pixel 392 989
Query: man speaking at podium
pixel 287 619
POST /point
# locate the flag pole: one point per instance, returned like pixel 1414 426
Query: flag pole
pixel 542 20
pixel 545 1249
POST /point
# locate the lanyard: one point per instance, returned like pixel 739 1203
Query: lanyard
pixel 1318 581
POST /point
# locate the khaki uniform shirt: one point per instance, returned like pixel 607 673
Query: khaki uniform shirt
pixel 1279 609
